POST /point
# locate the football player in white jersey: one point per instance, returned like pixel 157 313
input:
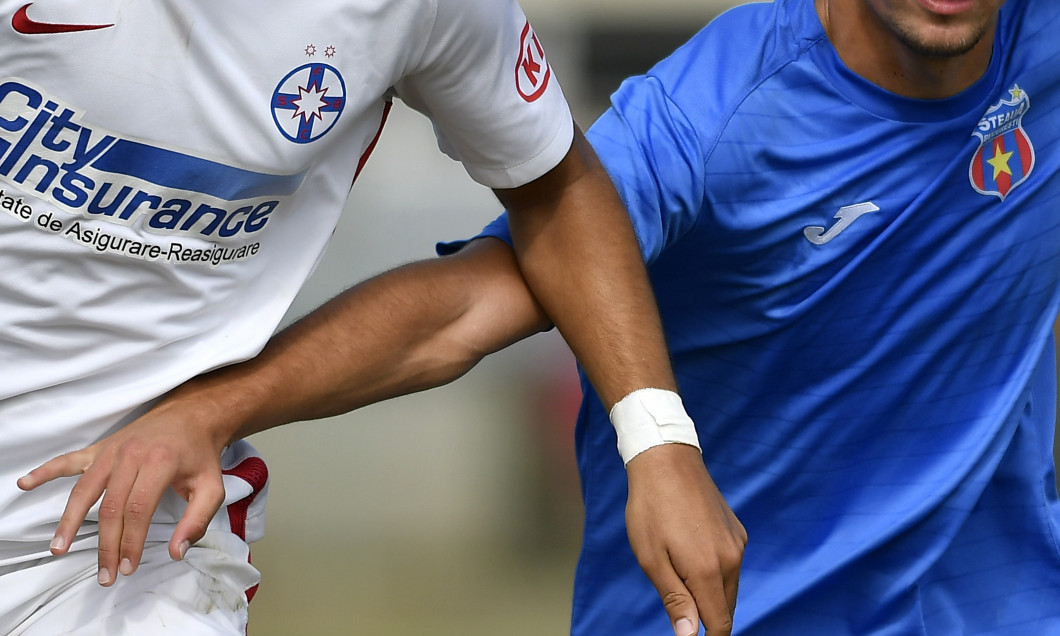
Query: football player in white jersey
pixel 169 176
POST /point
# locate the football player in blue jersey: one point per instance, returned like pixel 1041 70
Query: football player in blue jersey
pixel 848 210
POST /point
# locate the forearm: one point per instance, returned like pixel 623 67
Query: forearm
pixel 410 329
pixel 581 259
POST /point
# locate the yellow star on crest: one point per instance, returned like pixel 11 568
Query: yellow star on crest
pixel 1000 163
pixel 1016 92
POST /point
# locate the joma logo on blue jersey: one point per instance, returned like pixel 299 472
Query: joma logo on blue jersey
pixel 46 148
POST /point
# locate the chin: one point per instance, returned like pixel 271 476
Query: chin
pixel 943 43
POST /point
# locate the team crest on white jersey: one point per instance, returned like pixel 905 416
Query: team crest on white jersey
pixel 532 71
pixel 307 103
pixel 1005 157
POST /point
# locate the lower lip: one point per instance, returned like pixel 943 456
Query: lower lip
pixel 947 7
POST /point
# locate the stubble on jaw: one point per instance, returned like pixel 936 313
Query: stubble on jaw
pixel 939 48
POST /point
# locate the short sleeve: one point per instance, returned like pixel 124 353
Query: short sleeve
pixel 486 85
pixel 654 156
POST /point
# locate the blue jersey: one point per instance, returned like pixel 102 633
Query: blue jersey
pixel 858 290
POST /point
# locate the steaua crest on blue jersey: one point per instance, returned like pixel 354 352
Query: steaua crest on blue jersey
pixel 308 102
pixel 1005 157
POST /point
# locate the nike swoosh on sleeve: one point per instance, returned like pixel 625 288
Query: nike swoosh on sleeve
pixel 22 23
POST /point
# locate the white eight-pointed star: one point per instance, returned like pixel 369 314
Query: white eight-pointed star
pixel 309 103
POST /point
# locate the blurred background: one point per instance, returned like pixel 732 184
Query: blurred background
pixel 454 511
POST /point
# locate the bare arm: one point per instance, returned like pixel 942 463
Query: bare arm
pixel 415 327
pixel 420 326
pixel 580 256
pixel 578 252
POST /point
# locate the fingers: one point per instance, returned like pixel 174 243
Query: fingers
pixel 707 594
pixel 68 465
pixel 716 607
pixel 85 493
pixel 203 504
pixel 686 538
pixel 127 509
pixel 734 559
pixel 732 587
pixel 111 525
pixel 128 473
pixel 714 583
pixel 139 504
pixel 127 496
pixel 678 601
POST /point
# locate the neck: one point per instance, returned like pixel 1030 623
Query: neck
pixel 882 50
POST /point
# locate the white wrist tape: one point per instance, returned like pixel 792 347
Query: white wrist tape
pixel 651 417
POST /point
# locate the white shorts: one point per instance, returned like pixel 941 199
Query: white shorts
pixel 203 595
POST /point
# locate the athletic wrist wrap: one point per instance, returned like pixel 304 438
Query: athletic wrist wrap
pixel 651 417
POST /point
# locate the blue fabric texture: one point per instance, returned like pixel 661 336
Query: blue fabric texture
pixel 859 291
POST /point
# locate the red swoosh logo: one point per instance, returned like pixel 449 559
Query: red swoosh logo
pixel 22 23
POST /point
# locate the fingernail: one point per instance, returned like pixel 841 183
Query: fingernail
pixel 103 576
pixel 683 627
pixel 125 567
pixel 58 543
pixel 183 549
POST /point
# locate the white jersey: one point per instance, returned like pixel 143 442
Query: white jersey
pixel 170 173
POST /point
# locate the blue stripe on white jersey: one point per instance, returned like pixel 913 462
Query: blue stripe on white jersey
pixel 182 171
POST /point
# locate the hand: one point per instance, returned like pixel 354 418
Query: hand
pixel 131 470
pixel 686 538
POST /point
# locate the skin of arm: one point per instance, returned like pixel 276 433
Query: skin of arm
pixel 420 326
pixel 579 254
pixel 409 329
pixel 416 327
pixel 577 250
